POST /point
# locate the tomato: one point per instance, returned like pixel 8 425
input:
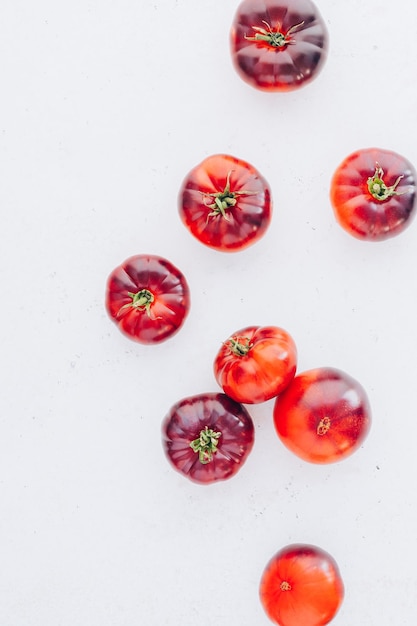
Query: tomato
pixel 207 437
pixel 373 193
pixel 225 203
pixel 256 363
pixel 323 415
pixel 301 586
pixel 278 45
pixel 148 298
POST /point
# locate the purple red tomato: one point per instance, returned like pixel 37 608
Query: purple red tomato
pixel 373 194
pixel 225 203
pixel 278 45
pixel 207 437
pixel 148 298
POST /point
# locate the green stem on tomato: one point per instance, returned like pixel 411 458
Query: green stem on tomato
pixel 274 38
pixel 226 199
pixel 377 187
pixel 142 300
pixel 240 346
pixel 206 444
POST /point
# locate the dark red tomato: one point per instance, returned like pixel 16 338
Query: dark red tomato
pixel 373 193
pixel 225 203
pixel 301 586
pixel 148 298
pixel 256 363
pixel 323 415
pixel 278 45
pixel 208 437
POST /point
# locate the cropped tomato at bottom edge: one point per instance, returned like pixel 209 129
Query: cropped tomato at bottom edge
pixel 207 437
pixel 301 586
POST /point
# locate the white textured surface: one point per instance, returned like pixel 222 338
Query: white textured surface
pixel 105 106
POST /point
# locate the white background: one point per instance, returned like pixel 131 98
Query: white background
pixel 105 107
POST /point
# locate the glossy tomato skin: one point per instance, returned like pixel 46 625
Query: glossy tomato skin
pixel 148 298
pixel 225 203
pixel 301 586
pixel 256 363
pixel 323 416
pixel 278 45
pixel 362 209
pixel 188 421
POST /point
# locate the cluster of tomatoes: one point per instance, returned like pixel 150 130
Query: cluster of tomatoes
pixel 321 415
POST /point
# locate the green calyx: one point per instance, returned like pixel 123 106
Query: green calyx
pixel 239 347
pixel 377 187
pixel 226 199
pixel 274 38
pixel 206 444
pixel 142 300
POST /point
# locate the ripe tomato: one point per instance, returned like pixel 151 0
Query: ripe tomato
pixel 148 298
pixel 301 586
pixel 225 203
pixel 208 437
pixel 373 193
pixel 323 415
pixel 278 45
pixel 256 363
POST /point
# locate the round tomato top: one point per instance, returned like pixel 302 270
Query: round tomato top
pixel 207 437
pixel 373 194
pixel 256 363
pixel 225 203
pixel 278 45
pixel 148 298
pixel 323 415
pixel 301 586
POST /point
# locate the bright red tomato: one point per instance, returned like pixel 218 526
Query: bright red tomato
pixel 148 298
pixel 208 437
pixel 301 586
pixel 373 193
pixel 323 415
pixel 225 203
pixel 256 363
pixel 278 45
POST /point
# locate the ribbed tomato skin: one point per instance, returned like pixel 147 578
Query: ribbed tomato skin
pixel 243 224
pixel 282 69
pixel 301 586
pixel 264 371
pixel 188 417
pixel 167 284
pixel 357 211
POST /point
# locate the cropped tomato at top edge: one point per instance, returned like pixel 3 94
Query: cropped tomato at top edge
pixel 301 586
pixel 225 203
pixel 207 437
pixel 256 363
pixel 278 45
pixel 148 298
pixel 323 415
pixel 373 194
